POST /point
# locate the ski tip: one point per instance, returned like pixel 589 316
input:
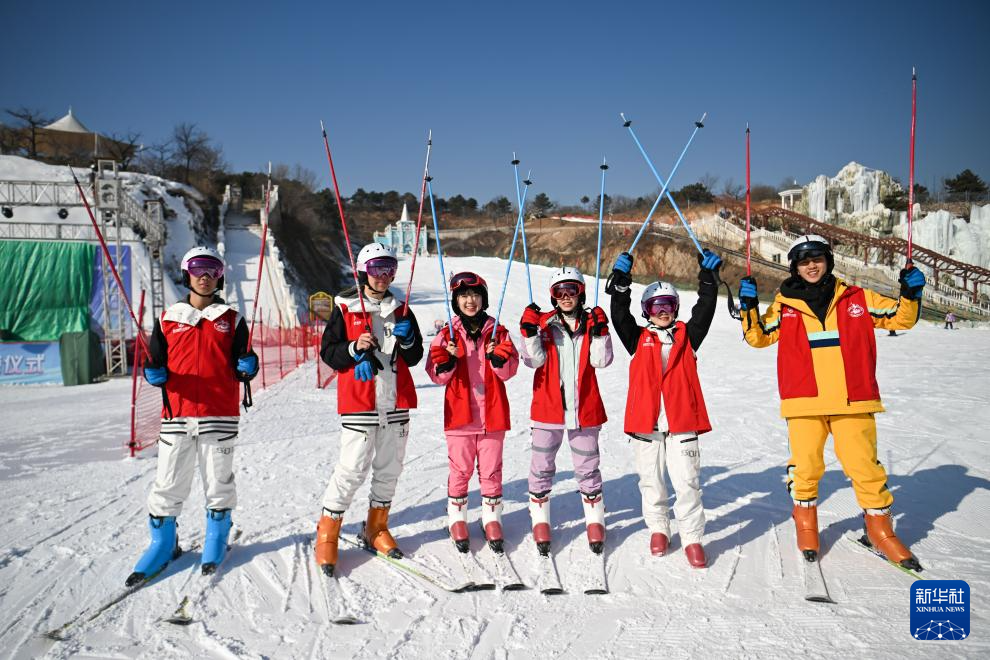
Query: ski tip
pixel 596 591
pixel 819 599
pixel 179 620
pixel 345 621
pixel 552 591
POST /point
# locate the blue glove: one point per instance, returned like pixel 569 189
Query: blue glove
pixel 403 330
pixel 748 297
pixel 248 365
pixel 156 375
pixel 364 371
pixel 709 260
pixel 624 263
pixel 912 283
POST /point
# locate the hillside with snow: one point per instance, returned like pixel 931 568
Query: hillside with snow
pixel 75 522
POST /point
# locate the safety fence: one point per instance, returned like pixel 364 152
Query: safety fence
pixel 280 351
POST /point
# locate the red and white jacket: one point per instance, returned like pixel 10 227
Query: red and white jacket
pixel 673 388
pixel 200 351
pixel 565 386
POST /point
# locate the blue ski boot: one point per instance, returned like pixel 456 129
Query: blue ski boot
pixel 218 524
pixel 163 549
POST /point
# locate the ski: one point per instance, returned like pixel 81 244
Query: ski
pixel 412 567
pixel 870 549
pixel 204 583
pixel 595 583
pixel 89 614
pixel 473 573
pixel 506 575
pixel 337 604
pixel 547 581
pixel 815 588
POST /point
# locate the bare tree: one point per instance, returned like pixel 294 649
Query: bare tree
pixel 708 180
pixel 306 177
pixel 189 144
pixel 33 120
pixel 155 159
pixel 733 189
pixel 10 139
pixel 123 148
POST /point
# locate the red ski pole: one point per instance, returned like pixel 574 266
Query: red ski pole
pixel 419 222
pixel 910 211
pixel 749 269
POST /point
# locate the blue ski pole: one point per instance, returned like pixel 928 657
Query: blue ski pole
pixel 519 203
pixel 663 185
pixel 601 215
pixel 512 250
pixel 443 274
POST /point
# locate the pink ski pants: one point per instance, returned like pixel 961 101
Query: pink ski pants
pixel 483 450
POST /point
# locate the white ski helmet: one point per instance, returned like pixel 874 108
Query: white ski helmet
pixel 200 252
pixel 373 251
pixel 810 245
pixel 659 289
pixel 568 274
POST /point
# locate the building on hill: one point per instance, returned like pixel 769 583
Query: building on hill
pixel 401 236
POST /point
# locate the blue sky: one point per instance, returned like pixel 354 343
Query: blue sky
pixel 820 83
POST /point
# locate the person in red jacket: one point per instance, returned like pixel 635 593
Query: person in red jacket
pixel 198 355
pixel 566 346
pixel 371 352
pixel 665 410
pixel 473 367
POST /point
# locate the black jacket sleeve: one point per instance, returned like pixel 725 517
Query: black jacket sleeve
pixel 623 322
pixel 704 310
pixel 240 348
pixel 413 353
pixel 334 347
pixel 157 348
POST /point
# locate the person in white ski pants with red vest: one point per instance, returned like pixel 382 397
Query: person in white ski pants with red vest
pixel 372 354
pixel 565 346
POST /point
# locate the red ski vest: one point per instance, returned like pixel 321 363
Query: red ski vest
pixel 354 396
pixel 857 343
pixel 456 411
pixel 548 400
pixel 201 380
pixel 678 388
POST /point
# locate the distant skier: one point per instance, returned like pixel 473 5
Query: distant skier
pixel 665 410
pixel 374 396
pixel 198 354
pixel 950 320
pixel 566 345
pixel 826 372
pixel 473 367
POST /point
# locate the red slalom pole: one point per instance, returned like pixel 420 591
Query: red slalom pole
pixel 106 255
pixel 261 257
pixel 749 269
pixel 134 370
pixel 343 224
pixel 419 221
pixel 914 115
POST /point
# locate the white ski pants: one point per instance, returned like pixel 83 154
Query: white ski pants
pixel 677 454
pixel 181 444
pixel 380 449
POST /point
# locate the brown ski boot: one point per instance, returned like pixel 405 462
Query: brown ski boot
pixel 806 524
pixel 375 533
pixel 327 535
pixel 880 535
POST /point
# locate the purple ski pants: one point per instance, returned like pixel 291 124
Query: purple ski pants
pixel 584 453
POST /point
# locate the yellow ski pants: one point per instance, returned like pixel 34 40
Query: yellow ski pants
pixel 855 441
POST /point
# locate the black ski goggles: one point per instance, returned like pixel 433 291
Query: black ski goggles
pixel 808 250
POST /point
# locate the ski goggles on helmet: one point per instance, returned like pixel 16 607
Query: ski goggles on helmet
pixel 381 267
pixel 566 290
pixel 660 305
pixel 205 266
pixel 467 280
pixel 808 250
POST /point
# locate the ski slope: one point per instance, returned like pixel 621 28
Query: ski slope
pixel 75 522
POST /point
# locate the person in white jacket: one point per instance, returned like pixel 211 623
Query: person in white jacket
pixel 565 346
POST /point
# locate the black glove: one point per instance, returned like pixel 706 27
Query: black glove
pixel 747 293
pixel 912 283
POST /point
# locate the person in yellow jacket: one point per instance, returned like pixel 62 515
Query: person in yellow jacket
pixel 826 373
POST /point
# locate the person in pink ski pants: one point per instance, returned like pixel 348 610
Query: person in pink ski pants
pixel 473 367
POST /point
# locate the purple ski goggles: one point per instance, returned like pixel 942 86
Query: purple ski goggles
pixel 205 266
pixel 382 267
pixel 660 305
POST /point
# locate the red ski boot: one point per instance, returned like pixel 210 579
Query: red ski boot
pixel 539 511
pixel 457 523
pixel 659 544
pixel 696 555
pixel 491 522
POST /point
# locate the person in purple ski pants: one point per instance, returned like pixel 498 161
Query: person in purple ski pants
pixel 565 346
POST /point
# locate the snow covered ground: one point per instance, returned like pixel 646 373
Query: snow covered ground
pixel 75 522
